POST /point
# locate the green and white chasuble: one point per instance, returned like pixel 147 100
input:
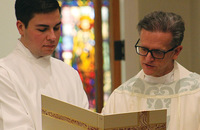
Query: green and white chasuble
pixel 180 95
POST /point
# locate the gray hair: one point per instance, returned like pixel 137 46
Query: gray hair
pixel 164 22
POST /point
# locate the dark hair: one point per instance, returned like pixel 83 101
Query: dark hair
pixel 26 9
pixel 164 22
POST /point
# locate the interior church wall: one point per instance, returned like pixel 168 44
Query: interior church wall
pixel 134 10
pixel 8 31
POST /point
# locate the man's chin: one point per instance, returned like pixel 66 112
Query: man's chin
pixel 149 72
pixel 46 54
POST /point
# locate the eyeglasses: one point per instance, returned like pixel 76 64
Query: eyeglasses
pixel 157 54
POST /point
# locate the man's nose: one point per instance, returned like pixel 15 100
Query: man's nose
pixel 51 35
pixel 149 57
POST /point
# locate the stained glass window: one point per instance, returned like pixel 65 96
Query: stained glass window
pixel 77 43
pixel 106 50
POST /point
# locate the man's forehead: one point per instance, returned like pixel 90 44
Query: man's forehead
pixel 46 25
pixel 46 19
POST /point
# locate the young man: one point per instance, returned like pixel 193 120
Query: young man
pixel 30 71
pixel 162 83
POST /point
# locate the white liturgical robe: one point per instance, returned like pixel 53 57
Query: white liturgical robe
pixel 23 78
pixel 181 98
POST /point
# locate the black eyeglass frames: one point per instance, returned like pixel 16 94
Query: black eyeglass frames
pixel 155 53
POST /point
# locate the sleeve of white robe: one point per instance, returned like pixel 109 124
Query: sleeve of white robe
pixel 81 94
pixel 13 116
pixel 113 104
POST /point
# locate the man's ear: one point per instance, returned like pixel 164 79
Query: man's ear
pixel 177 52
pixel 20 27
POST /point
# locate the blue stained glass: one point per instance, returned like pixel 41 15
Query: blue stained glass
pixel 74 3
pixel 106 3
pixel 70 3
pixel 91 4
pixel 67 43
pixel 59 51
pixel 92 82
pixel 75 66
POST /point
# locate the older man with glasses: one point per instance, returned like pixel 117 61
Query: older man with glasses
pixel 162 83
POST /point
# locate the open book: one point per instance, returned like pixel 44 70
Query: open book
pixel 58 115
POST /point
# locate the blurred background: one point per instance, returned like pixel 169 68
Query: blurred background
pixel 98 38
